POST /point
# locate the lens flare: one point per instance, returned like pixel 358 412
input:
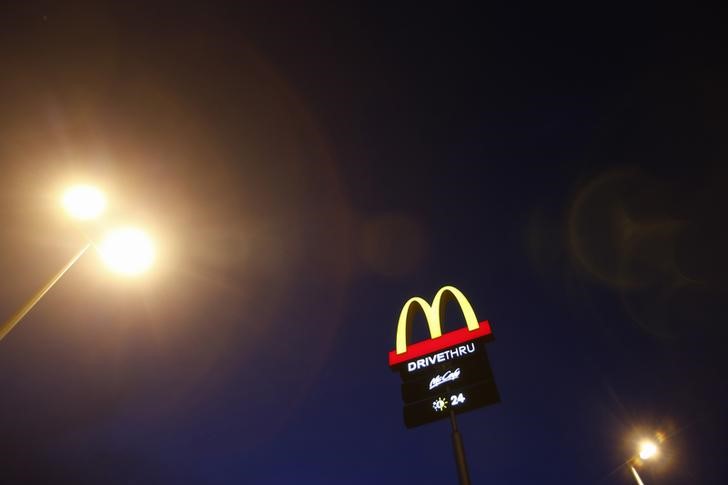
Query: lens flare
pixel 128 251
pixel 84 202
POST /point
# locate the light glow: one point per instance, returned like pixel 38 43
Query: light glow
pixel 84 202
pixel 647 450
pixel 128 251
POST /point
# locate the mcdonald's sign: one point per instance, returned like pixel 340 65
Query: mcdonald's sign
pixel 448 372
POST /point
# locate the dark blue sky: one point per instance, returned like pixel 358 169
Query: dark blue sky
pixel 308 169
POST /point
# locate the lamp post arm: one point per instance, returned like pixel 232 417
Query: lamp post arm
pixel 17 316
pixel 636 475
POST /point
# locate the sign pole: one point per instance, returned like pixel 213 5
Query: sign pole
pixel 457 444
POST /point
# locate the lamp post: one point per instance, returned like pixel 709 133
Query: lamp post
pixel 636 475
pixel 126 250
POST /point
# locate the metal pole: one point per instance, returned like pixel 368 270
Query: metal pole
pixel 17 316
pixel 457 444
pixel 636 476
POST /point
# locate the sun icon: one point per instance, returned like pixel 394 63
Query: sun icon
pixel 439 404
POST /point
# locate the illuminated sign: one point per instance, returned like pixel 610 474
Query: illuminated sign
pixel 440 357
pixel 459 401
pixel 433 314
pixel 447 372
pixel 426 383
pixel 449 376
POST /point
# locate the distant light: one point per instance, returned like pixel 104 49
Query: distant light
pixel 84 202
pixel 128 251
pixel 647 450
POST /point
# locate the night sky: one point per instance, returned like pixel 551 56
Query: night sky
pixel 305 169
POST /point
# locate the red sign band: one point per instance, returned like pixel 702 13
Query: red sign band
pixel 432 345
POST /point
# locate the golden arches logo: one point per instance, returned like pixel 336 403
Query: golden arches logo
pixel 434 313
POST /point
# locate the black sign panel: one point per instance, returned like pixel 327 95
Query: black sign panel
pixel 458 373
pixel 456 400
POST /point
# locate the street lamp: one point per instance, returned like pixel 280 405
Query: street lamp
pixel 127 251
pixel 84 202
pixel 647 450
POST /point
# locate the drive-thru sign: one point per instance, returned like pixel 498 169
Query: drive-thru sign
pixel 448 373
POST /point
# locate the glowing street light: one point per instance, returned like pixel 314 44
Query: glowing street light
pixel 84 202
pixel 128 251
pixel 647 449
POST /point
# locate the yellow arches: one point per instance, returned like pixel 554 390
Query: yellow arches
pixel 433 314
